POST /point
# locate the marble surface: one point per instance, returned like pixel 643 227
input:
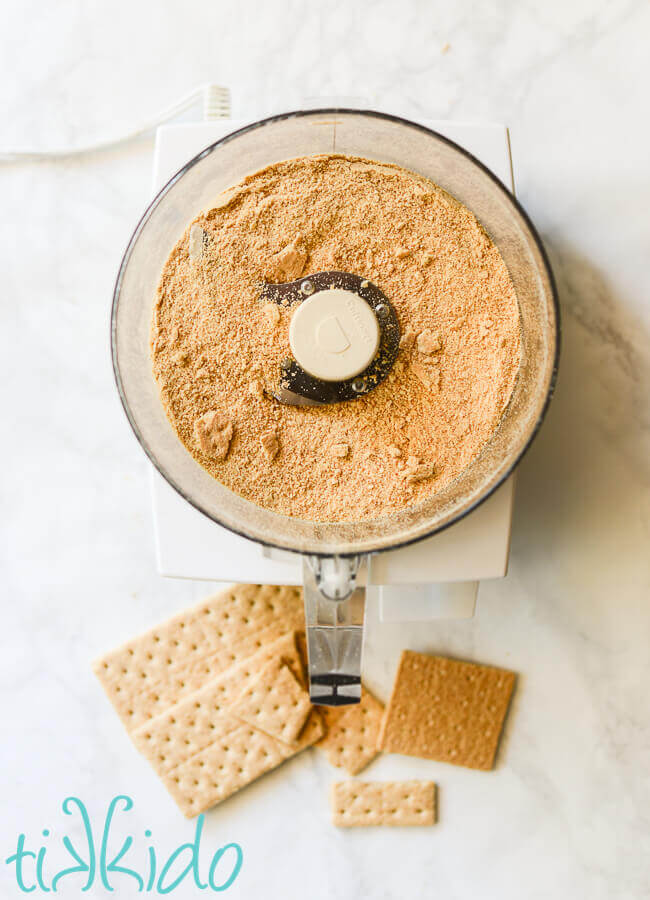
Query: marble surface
pixel 565 814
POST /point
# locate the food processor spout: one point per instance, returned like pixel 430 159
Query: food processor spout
pixel 334 611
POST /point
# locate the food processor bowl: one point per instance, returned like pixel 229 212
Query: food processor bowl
pixel 334 550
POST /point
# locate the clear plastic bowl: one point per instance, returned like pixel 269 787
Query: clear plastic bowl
pixel 379 137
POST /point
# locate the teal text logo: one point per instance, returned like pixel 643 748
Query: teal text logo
pixel 93 864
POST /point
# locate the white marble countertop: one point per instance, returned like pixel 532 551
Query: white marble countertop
pixel 565 814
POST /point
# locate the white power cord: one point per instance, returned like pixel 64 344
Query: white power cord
pixel 216 105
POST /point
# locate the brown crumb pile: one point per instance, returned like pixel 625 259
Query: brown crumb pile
pixel 217 350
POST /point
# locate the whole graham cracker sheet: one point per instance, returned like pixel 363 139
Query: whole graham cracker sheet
pixel 446 710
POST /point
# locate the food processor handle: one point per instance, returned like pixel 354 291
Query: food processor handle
pixel 334 610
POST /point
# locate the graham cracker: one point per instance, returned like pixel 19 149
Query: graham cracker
pixel 274 703
pixel 358 803
pixel 230 764
pixel 446 710
pixel 203 752
pixel 174 686
pixel 153 671
pixel 352 733
pixel 206 716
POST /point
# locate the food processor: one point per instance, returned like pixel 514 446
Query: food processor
pixel 334 554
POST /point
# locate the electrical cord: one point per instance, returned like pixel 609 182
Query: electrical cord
pixel 216 105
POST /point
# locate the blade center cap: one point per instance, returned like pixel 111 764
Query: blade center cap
pixel 334 335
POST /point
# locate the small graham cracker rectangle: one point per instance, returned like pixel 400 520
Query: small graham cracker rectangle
pixel 359 803
pixel 274 703
pixel 446 710
pixel 352 733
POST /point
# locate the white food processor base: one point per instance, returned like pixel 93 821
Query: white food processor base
pixel 435 578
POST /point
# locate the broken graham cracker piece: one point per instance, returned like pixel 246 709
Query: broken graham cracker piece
pixel 274 703
pixel 352 733
pixel 153 671
pixel 341 450
pixel 446 710
pixel 358 803
pixel 191 677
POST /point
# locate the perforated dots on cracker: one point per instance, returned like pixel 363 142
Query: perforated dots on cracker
pixel 352 733
pixel 274 703
pixel 446 710
pixel 359 803
pixel 154 670
pixel 205 715
pixel 175 685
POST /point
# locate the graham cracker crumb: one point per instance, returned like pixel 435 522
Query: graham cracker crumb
pixel 428 341
pixel 288 264
pixel 256 389
pixel 271 313
pixel 428 376
pixel 270 444
pixel 420 472
pixel 340 450
pixel 214 433
pixel 407 341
